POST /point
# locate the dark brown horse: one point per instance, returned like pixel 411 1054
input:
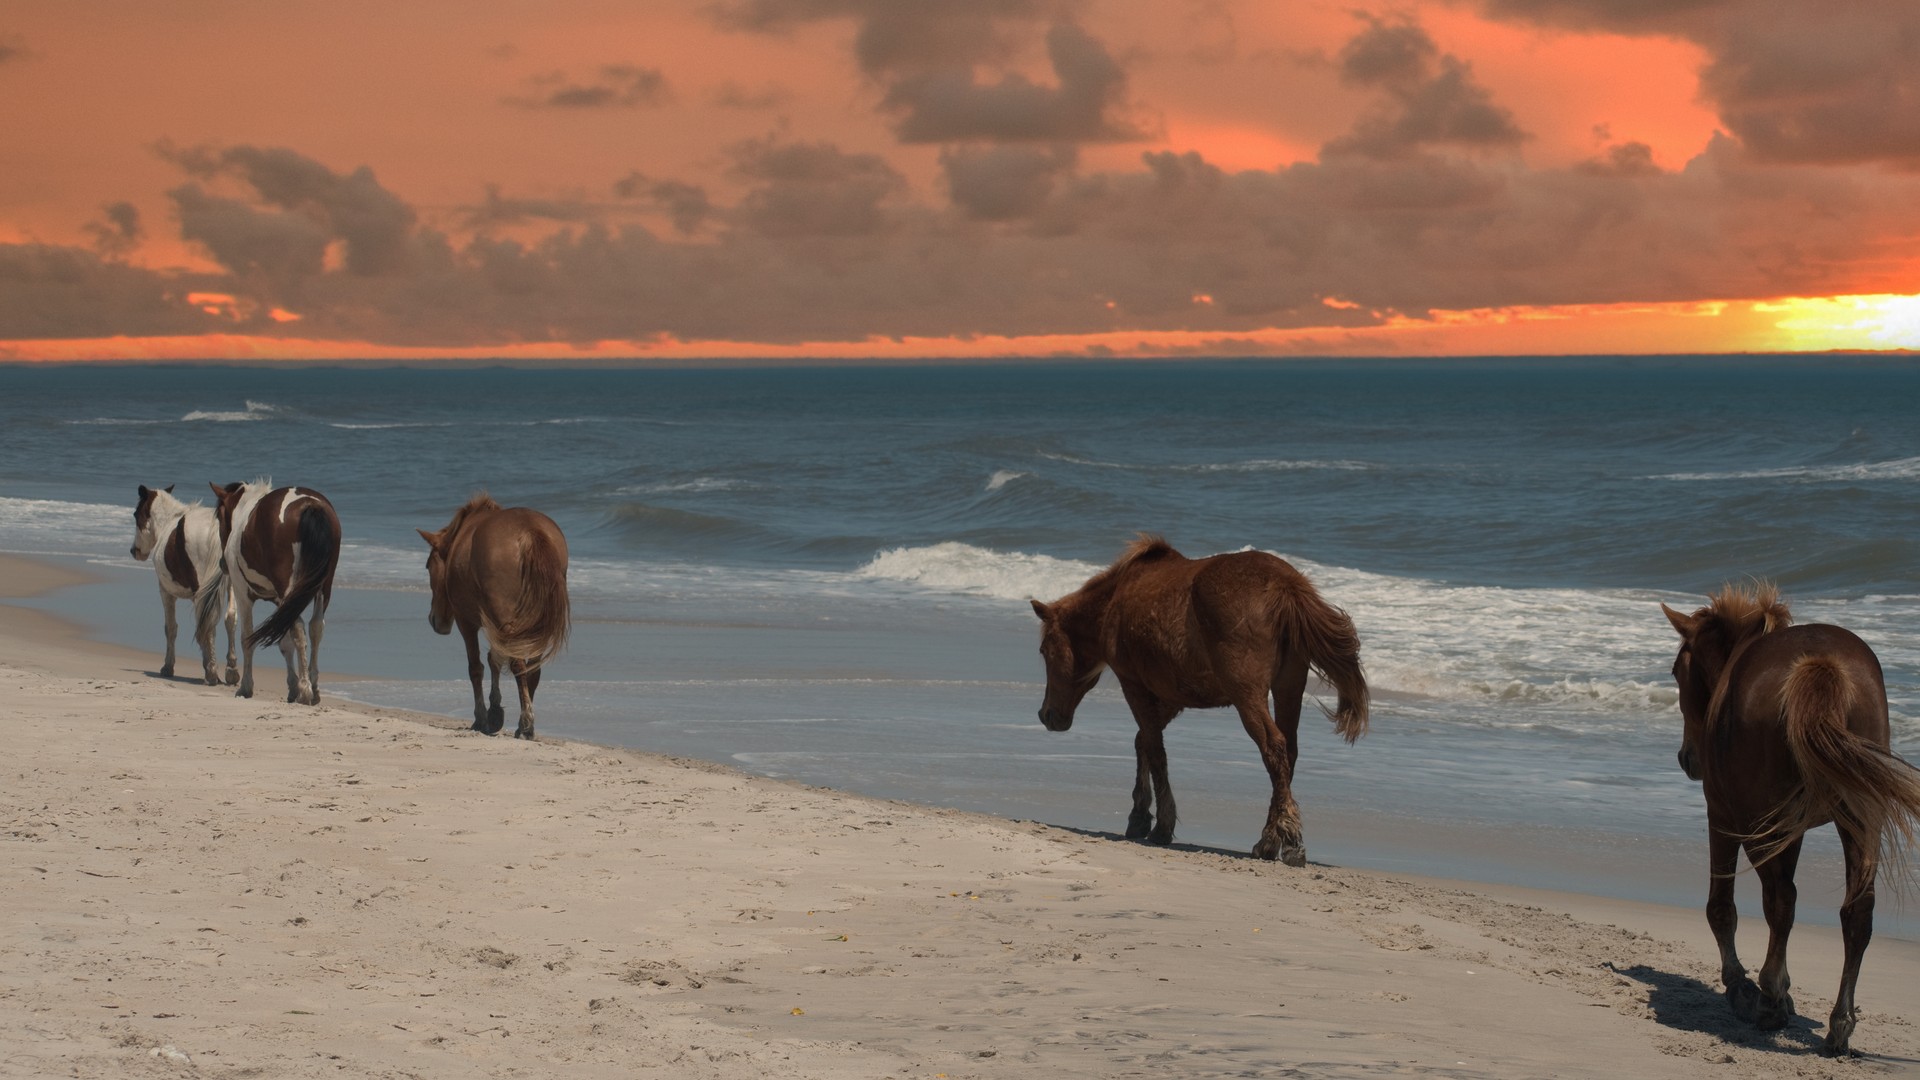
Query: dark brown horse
pixel 505 572
pixel 282 545
pixel 1185 633
pixel 1786 729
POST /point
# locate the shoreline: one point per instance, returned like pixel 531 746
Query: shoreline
pixel 280 882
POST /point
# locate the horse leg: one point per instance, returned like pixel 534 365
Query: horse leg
pixel 293 646
pixel 1289 689
pixel 1151 784
pixel 173 627
pixel 1778 895
pixel 204 624
pixel 1723 854
pixel 476 672
pixel 244 601
pixel 496 716
pixel 233 666
pixel 316 623
pixel 523 681
pixel 1856 929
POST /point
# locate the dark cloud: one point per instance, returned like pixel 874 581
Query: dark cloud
pixel 1623 159
pixel 813 189
pixel 503 210
pixel 686 205
pixel 118 231
pixel 950 106
pixel 617 86
pixel 733 95
pixel 13 48
pixel 1004 182
pixel 926 55
pixel 1430 97
pixel 306 204
pixel 68 292
pixel 1795 82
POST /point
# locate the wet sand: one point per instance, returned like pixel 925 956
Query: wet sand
pixel 198 884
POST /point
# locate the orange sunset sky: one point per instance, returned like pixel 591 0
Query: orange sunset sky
pixel 874 179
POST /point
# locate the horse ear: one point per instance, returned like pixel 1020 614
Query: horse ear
pixel 218 491
pixel 1685 625
pixel 1041 610
pixel 143 493
pixel 169 489
pixel 432 539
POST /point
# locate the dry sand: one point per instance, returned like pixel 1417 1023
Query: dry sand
pixel 196 885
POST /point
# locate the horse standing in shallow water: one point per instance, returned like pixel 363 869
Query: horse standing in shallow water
pixel 1185 633
pixel 503 571
pixel 1786 729
pixel 184 541
pixel 283 545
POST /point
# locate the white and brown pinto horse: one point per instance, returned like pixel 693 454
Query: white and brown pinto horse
pixel 282 545
pixel 184 541
pixel 503 571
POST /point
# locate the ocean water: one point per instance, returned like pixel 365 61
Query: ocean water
pixel 822 574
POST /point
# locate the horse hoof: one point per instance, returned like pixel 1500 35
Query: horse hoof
pixel 213 678
pixel 1294 856
pixel 1138 828
pixel 1743 998
pixel 527 735
pixel 233 677
pixel 166 671
pixel 245 692
pixel 1774 1013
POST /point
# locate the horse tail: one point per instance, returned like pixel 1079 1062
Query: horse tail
pixel 1867 790
pixel 319 554
pixel 1332 647
pixel 542 615
pixel 211 597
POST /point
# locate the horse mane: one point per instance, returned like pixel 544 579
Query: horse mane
pixel 1147 547
pixel 480 501
pixel 1742 613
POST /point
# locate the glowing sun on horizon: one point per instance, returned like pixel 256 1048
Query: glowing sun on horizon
pixel 1875 321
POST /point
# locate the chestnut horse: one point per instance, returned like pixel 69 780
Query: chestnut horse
pixel 503 571
pixel 282 545
pixel 1185 633
pixel 184 541
pixel 1785 727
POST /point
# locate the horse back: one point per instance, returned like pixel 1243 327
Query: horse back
pixel 269 535
pixel 1185 627
pixel 1758 679
pixel 499 549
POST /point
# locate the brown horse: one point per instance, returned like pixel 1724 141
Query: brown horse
pixel 1185 633
pixel 282 545
pixel 505 572
pixel 1785 727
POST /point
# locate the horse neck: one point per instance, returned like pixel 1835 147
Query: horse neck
pixel 1082 614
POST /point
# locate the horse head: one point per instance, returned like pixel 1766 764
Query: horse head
pixel 1070 672
pixel 439 611
pixel 226 500
pixel 1708 640
pixel 145 536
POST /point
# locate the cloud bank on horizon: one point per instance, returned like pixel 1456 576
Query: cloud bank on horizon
pixel 839 171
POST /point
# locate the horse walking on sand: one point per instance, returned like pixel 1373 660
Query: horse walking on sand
pixel 1785 727
pixel 503 571
pixel 184 541
pixel 1185 633
pixel 282 545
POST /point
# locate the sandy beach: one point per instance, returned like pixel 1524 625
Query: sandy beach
pixel 201 885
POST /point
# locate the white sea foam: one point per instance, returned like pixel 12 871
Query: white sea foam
pixel 1278 465
pixel 256 410
pixel 53 526
pixel 112 421
pixel 394 424
pixel 967 570
pixel 1002 477
pixel 698 483
pixel 1897 469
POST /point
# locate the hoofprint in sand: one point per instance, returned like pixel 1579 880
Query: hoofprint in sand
pixel 196 884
